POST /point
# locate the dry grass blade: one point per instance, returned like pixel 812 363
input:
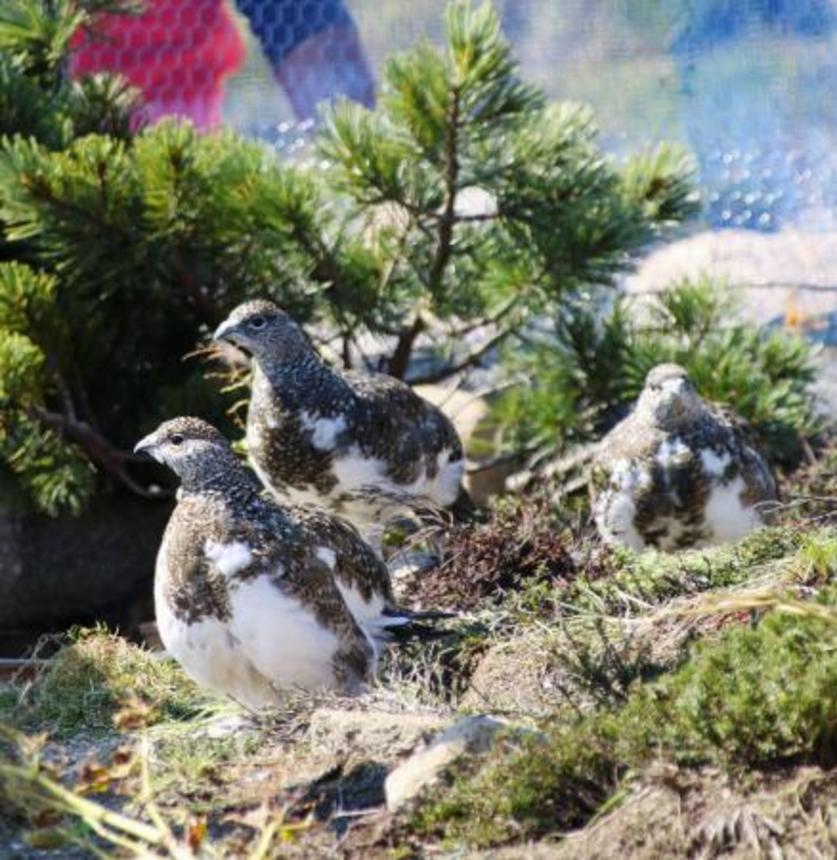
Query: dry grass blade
pixel 32 784
pixel 757 601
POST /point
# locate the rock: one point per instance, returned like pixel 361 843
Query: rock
pixel 424 767
pixel 372 735
pixel 72 569
pixel 790 273
pixel 516 676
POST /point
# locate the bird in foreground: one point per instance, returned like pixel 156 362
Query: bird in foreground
pixel 678 472
pixel 253 599
pixel 363 445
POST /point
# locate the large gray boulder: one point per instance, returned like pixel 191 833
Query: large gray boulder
pixel 57 571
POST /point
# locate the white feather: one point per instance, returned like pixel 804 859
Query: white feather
pixel 615 509
pixel 206 650
pixel 324 430
pixel 281 637
pixel 327 556
pixel 714 464
pixel 229 558
pixel 727 516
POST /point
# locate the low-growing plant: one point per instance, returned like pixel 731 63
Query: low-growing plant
pixel 523 540
pixel 756 697
pixel 652 578
pixel 89 679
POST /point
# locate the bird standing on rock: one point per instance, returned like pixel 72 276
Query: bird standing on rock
pixel 365 446
pixel 253 599
pixel 678 472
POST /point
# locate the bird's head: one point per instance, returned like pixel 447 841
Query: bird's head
pixel 265 331
pixel 193 449
pixel 669 397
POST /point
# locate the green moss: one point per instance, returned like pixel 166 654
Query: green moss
pixel 90 678
pixel 189 768
pixel 656 577
pixel 756 697
pixel 818 556
pixel 759 696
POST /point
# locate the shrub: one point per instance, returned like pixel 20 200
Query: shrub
pixel 126 245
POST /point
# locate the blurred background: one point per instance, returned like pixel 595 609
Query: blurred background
pixel 746 85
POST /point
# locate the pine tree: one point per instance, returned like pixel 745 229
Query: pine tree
pixel 125 245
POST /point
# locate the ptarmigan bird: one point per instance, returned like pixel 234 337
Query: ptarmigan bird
pixel 678 472
pixel 253 599
pixel 365 446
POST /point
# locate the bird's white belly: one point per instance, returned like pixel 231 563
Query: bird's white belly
pixel 282 638
pixel 212 656
pixel 356 473
pixel 727 517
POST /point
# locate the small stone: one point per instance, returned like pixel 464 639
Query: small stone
pixel 427 765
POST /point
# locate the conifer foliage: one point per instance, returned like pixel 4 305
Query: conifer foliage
pixel 588 368
pixel 459 208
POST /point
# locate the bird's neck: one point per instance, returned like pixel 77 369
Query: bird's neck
pixel 228 479
pixel 296 382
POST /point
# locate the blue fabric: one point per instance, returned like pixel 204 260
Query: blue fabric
pixel 283 25
pixel 712 22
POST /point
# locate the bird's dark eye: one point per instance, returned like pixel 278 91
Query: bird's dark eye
pixel 177 439
pixel 257 322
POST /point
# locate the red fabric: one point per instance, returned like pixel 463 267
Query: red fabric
pixel 177 52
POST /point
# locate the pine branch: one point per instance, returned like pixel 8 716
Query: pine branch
pixel 505 309
pixel 400 360
pixel 448 216
pixel 472 359
pixel 97 448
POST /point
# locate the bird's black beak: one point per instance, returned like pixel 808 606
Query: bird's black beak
pixel 147 446
pixel 226 331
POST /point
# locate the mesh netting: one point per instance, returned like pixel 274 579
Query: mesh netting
pixel 180 53
pixel 746 84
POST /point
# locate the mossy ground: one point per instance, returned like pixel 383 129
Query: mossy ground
pixel 669 677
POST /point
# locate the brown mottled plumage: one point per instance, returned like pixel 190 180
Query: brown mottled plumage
pixel 677 472
pixel 365 446
pixel 252 598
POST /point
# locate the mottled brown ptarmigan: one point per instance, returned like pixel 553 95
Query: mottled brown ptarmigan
pixel 678 472
pixel 254 599
pixel 363 445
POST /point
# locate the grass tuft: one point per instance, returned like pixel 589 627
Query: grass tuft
pixel 89 678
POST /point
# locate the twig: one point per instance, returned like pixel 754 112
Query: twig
pixel 504 310
pixel 97 447
pixel 91 812
pixel 400 359
pixel 448 216
pixel 469 360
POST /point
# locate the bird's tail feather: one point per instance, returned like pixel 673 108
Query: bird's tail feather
pixel 411 632
pixel 410 615
pixel 464 509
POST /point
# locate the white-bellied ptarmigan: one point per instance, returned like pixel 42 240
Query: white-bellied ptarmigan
pixel 253 599
pixel 363 445
pixel 678 472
